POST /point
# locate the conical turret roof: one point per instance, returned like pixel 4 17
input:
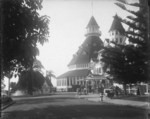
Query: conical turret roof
pixel 92 28
pixel 116 25
pixel 87 51
pixel 92 22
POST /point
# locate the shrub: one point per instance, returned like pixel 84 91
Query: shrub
pixel 5 100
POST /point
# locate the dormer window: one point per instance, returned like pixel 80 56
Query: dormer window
pixel 112 33
pixel 117 32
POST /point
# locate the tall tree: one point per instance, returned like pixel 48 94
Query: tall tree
pixel 13 86
pixel 37 66
pixel 129 63
pixel 138 52
pixel 23 28
pixel 31 81
pixel 50 74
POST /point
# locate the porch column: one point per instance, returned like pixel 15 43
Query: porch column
pixel 69 81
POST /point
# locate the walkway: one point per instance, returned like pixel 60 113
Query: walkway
pixel 96 98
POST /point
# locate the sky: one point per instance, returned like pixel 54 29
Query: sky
pixel 68 21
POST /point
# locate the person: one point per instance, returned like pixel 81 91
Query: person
pixel 78 91
pixel 116 90
pixel 84 91
pixel 101 92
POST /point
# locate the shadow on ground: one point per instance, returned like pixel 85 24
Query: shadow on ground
pixel 135 98
pixel 103 111
pixel 43 100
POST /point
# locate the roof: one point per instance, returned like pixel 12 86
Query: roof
pixel 116 25
pixel 74 73
pixel 87 51
pixel 92 22
pixel 95 77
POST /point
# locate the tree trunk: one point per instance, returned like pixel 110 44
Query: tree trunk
pixel 30 82
pixel 125 88
pixel 8 86
pixel 31 78
pixel 9 77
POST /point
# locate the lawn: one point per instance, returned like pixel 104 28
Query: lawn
pixel 135 98
pixel 70 108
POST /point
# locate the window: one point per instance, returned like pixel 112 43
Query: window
pixel 57 83
pixel 120 40
pixel 117 32
pixel 99 70
pixel 64 82
pixel 116 40
pixel 70 81
pixel 67 81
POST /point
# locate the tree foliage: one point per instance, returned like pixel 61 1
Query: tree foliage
pixel 13 86
pixel 50 74
pixel 130 63
pixel 31 81
pixel 23 28
pixel 38 66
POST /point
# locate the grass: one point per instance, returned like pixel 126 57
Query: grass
pixel 80 111
pixel 134 98
pixel 70 108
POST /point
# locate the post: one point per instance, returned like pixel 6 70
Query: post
pixel 1 42
pixel 101 97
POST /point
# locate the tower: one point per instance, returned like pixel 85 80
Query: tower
pixel 82 61
pixel 117 32
pixel 92 28
pixel 89 49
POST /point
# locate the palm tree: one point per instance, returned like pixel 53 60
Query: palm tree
pixel 37 66
pixel 32 80
pixel 49 75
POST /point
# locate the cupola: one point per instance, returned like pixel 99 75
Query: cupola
pixel 92 28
